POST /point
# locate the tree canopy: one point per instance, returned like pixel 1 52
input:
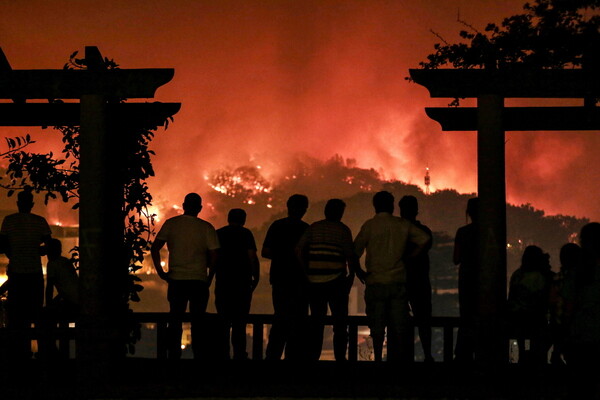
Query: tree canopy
pixel 549 34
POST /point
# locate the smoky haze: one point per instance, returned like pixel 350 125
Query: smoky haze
pixel 263 83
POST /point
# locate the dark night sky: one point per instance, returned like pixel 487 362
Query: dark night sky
pixel 260 81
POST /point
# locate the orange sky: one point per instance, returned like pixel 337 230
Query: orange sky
pixel 260 81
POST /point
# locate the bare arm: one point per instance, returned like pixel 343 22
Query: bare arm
pixel 421 240
pixel 255 265
pixel 353 260
pixel 45 244
pixel 212 264
pixel 49 291
pixel 301 251
pixel 360 243
pixel 417 249
pixel 155 253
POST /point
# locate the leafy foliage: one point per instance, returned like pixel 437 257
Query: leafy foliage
pixel 549 34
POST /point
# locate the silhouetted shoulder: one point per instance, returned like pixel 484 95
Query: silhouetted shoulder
pixel 23 221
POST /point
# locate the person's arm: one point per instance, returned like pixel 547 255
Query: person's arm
pixel 49 283
pixel 360 244
pixel 255 266
pixel 4 244
pixel 157 245
pixel 302 249
pixel 49 291
pixel 45 244
pixel 213 257
pixel 419 238
pixel 267 251
pixel 46 237
pixel 352 260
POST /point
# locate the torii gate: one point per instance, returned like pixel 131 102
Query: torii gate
pixel 101 227
pixel 491 119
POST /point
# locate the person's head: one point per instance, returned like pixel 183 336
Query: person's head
pixel 473 208
pixel 25 201
pixel 383 202
pixel 590 239
pixel 409 207
pixel 54 249
pixel 570 256
pixel 297 205
pixel 192 204
pixel 236 216
pixel 534 259
pixel 334 209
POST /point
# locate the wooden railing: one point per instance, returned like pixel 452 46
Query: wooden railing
pixel 65 332
pixel 259 321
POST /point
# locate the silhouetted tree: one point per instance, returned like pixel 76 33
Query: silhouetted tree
pixel 549 34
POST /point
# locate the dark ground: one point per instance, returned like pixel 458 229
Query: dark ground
pixel 187 379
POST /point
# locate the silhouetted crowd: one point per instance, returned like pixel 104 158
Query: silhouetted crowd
pixel 313 268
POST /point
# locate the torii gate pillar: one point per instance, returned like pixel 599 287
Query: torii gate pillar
pixel 103 260
pixel 491 119
pixel 491 189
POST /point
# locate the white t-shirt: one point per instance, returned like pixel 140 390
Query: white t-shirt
pixel 384 237
pixel 188 240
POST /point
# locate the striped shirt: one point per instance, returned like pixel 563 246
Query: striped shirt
pixel 25 233
pixel 327 247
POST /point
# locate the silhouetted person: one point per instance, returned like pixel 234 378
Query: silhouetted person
pixel 560 307
pixel 237 275
pixel 528 305
pixel 584 332
pixel 288 281
pixel 417 278
pixel 192 244
pixel 466 248
pixel 62 275
pixel 386 238
pixel 327 254
pixel 25 233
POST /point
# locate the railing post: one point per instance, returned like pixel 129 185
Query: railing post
pixel 448 342
pixel 64 341
pixel 352 341
pixel 161 340
pixel 411 349
pixel 257 340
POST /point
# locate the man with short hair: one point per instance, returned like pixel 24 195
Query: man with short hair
pixel 418 284
pixel 192 244
pixel 385 238
pixel 287 281
pixel 327 254
pixel 25 233
pixel 237 275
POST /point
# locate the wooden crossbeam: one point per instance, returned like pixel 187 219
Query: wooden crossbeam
pixel 147 115
pixel 521 118
pixel 510 83
pixel 72 84
pixel 5 66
